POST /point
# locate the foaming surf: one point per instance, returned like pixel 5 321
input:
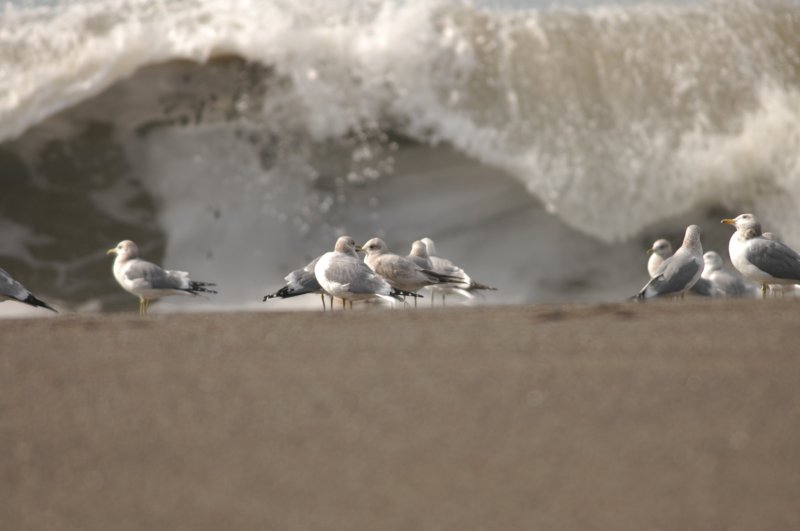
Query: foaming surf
pixel 247 136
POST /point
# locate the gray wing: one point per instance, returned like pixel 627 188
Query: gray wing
pixel 704 287
pixel 673 275
pixel 773 258
pixel 303 280
pixel 446 267
pixel 147 275
pixel 731 285
pixel 356 274
pixel 423 263
pixel 10 288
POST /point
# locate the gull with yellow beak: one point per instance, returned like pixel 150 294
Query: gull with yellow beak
pixel 148 281
pixel 759 259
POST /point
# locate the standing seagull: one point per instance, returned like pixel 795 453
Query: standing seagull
pixel 400 272
pixel 660 251
pixel 723 281
pixel 678 273
pixel 463 285
pixel 343 275
pixel 758 259
pixel 148 281
pixel 11 290
pixel 299 282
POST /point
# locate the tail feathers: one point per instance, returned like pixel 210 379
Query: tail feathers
pixel 200 287
pixel 442 278
pixel 33 301
pixel 477 285
pixel 285 293
pixel 645 292
pixel 398 293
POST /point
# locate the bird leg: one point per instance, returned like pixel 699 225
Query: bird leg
pixel 343 304
pixel 763 291
pixel 321 296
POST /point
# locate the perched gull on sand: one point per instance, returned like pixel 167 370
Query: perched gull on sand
pixel 342 274
pixel 148 281
pixel 678 273
pixel 758 259
pixel 464 285
pixel 11 290
pixel 400 272
pixel 724 282
pixel 660 251
pixel 299 282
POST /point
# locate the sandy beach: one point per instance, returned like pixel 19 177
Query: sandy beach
pixel 618 416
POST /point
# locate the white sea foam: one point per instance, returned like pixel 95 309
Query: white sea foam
pixel 628 108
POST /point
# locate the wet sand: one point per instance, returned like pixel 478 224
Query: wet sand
pixel 626 417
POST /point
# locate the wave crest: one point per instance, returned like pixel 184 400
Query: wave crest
pixel 614 117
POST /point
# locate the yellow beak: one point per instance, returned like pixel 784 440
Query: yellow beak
pixel 111 252
pixel 649 251
pixel 359 248
pixel 728 221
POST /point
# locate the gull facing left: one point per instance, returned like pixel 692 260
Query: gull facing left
pixel 148 281
pixel 766 262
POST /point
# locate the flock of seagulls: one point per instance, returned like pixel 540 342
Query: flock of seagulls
pixel 759 257
pixel 381 274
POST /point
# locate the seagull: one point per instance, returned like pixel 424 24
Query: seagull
pixel 464 285
pixel 11 290
pixel 678 273
pixel 342 274
pixel 723 281
pixel 299 282
pixel 400 272
pixel 660 251
pixel 148 281
pixel 758 259
pixel 419 255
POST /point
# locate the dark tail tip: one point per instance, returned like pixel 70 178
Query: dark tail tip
pixel 201 287
pixel 33 301
pixel 478 285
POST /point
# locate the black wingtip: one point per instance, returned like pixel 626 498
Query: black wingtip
pixel 33 301
pixel 201 287
pixel 402 293
pixel 477 285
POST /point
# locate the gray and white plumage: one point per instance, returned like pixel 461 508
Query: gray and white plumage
pixel 763 261
pixel 678 273
pixel 300 282
pixel 400 272
pixel 724 282
pixel 342 274
pixel 148 281
pixel 419 255
pixel 463 285
pixel 12 290
pixel 660 251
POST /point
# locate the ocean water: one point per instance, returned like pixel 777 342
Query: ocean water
pixel 542 145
